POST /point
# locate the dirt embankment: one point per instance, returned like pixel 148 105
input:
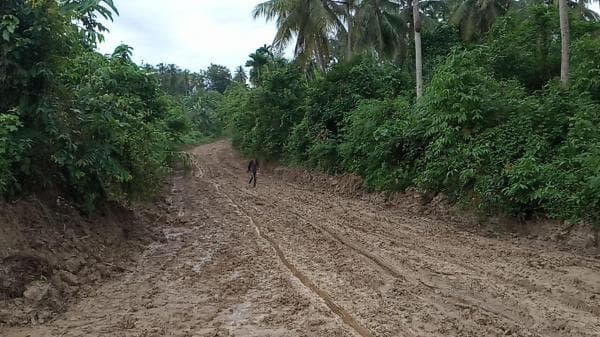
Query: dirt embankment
pixel 50 253
pixel 542 232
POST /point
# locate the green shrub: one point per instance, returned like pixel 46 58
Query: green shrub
pixel 299 143
pixel 577 165
pixel 201 109
pixel 117 134
pixel 334 95
pixel 501 151
pixel 263 118
pixel 463 102
pixel 11 152
pixel 377 145
pixel 586 67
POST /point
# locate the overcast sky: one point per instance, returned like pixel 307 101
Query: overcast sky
pixel 190 33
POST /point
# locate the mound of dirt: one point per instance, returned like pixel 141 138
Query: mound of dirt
pixel 346 184
pixel 49 252
pixel 351 185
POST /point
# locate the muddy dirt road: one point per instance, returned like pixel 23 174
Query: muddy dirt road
pixel 289 260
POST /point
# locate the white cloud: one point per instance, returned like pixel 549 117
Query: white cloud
pixel 189 33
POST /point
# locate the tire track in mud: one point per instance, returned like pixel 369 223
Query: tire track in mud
pixel 304 280
pixel 529 318
pixel 534 314
pixel 461 301
pixel 380 263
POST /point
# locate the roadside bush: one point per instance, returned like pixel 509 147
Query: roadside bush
pixel 90 126
pixel 233 111
pixel 586 66
pixel 117 133
pixel 265 117
pixel 577 165
pixel 200 111
pixel 376 144
pixel 499 150
pixel 462 102
pixel 11 151
pixel 331 97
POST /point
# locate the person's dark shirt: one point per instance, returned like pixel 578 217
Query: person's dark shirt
pixel 253 166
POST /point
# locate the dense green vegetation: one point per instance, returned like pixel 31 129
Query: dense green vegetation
pixel 193 93
pixel 90 126
pixel 495 130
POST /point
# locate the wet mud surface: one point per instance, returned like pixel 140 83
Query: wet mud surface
pixel 287 259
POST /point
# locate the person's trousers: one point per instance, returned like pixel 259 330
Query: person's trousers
pixel 252 178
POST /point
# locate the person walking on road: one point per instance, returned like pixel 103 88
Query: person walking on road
pixel 252 169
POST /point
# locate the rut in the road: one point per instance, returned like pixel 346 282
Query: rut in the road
pixel 338 310
pixel 389 269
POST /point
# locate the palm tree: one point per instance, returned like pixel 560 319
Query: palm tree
pixel 309 21
pixel 583 9
pixel 565 37
pixel 349 13
pixel 350 5
pixel 381 26
pixel 240 75
pixel 418 56
pixel 475 17
pixel 261 57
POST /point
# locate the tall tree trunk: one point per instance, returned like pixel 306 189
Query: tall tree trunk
pixel 418 56
pixel 349 35
pixel 565 36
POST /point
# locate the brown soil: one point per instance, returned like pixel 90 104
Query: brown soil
pixel 49 253
pixel 291 258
